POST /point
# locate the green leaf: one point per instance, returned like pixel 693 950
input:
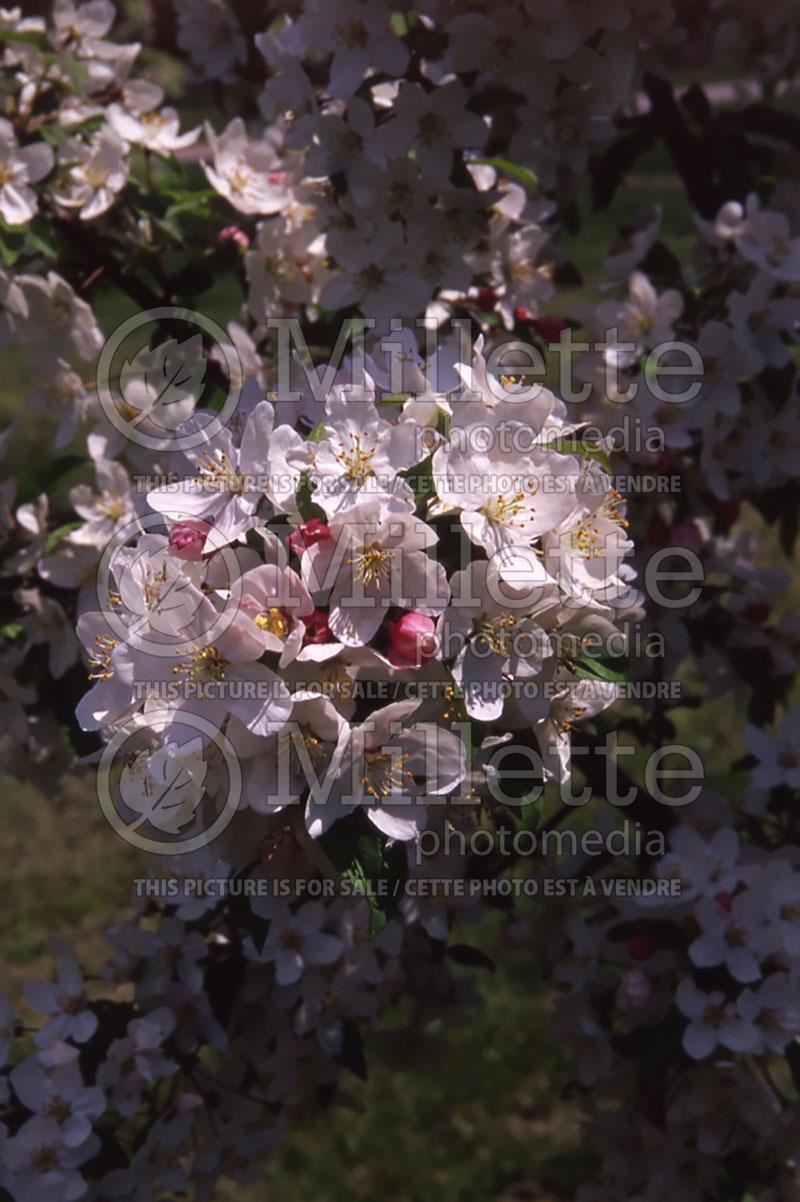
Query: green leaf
pixel 596 670
pixel 318 433
pixel 420 478
pixel 352 1051
pixel 396 398
pixel 33 37
pixel 11 248
pixel 58 535
pixel 531 812
pixel 44 478
pixel 373 869
pixel 40 236
pixel 469 956
pixel 10 630
pixel 78 71
pixel 571 446
pixel 185 201
pixel 305 501
pixel 523 175
pixel 793 1059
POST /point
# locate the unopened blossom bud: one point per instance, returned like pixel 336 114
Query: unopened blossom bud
pixel 726 512
pixel 486 300
pixel 549 328
pixel 724 899
pixel 306 534
pixel 757 612
pixel 658 532
pixel 641 947
pixel 685 534
pixel 412 641
pixel 187 539
pixel 634 989
pixel 662 461
pixel 316 625
pixel 232 233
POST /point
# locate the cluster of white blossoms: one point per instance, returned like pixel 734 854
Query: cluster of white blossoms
pixel 319 635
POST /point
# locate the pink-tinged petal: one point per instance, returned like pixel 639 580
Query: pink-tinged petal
pixel 288 967
pixel 320 948
pixel 17 205
pixel 254 453
pixel 38 159
pixel 699 1041
pixel 352 625
pixel 269 710
pixel 398 822
pixel 190 500
pixel 42 996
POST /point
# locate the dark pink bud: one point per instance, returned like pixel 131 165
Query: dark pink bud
pixel 549 328
pixel 686 534
pixel 306 534
pixel 187 539
pixel 316 625
pixel 641 947
pixel 757 612
pixel 658 532
pixel 232 233
pixel 412 641
pixel 486 300
pixel 724 899
pixel 726 512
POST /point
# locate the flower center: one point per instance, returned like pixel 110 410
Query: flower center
pixel 356 459
pixel 372 565
pixel 96 176
pixel 384 775
pixel 204 664
pixel 274 621
pixel 213 468
pixel 432 129
pixel 351 34
pixel 240 179
pixel 44 1159
pixel 58 1108
pixel 100 658
pixel 112 505
pixel 505 510
pixel 496 632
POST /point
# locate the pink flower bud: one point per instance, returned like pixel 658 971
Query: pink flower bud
pixel 726 512
pixel 641 947
pixel 549 328
pixel 316 625
pixel 686 534
pixel 486 300
pixel 187 539
pixel 232 233
pixel 757 612
pixel 412 641
pixel 724 899
pixel 306 534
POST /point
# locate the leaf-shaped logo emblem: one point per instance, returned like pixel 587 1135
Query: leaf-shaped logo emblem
pixel 166 787
pixel 163 593
pixel 163 383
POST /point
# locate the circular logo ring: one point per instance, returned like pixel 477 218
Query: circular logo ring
pixel 129 429
pixel 158 846
pixel 123 632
